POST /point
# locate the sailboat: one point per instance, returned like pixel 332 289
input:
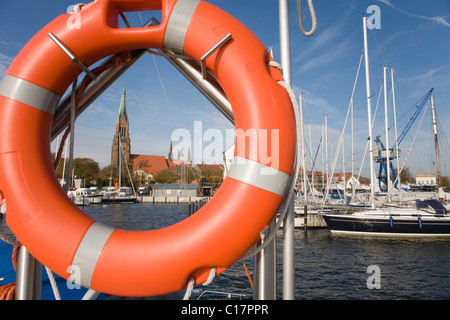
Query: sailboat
pixel 121 195
pixel 80 196
pixel 428 218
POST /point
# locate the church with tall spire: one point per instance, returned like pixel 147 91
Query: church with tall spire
pixel 121 146
pixel 146 165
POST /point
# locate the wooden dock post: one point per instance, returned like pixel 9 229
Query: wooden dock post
pixel 305 212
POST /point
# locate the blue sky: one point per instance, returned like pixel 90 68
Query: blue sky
pixel 414 39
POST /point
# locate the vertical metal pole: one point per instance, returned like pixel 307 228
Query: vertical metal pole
pixel 305 221
pixel 305 174
pixel 265 268
pixel 326 157
pixel 285 46
pixel 29 276
pixel 288 223
pixel 369 113
pixel 396 154
pixel 436 144
pixel 386 121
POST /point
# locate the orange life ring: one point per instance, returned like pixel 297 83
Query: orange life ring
pixel 142 263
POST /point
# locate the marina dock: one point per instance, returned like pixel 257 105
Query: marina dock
pixel 156 199
pixel 311 221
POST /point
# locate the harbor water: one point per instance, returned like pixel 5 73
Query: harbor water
pixel 327 267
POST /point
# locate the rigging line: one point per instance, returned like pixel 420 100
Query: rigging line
pixel 399 102
pixel 391 102
pixel 165 93
pixel 341 138
pixel 413 108
pixel 315 134
pixel 305 108
pixel 347 116
pixel 361 166
pixel 379 48
pixel 160 80
pixel 410 148
pixel 442 137
pixel 308 152
pixel 376 108
pixel 128 169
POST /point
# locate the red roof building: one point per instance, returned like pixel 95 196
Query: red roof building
pixel 150 164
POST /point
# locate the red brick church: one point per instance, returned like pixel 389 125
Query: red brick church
pixel 121 145
pixel 145 166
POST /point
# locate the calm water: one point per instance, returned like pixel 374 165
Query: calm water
pixel 327 267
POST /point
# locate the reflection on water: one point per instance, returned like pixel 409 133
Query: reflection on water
pixel 326 266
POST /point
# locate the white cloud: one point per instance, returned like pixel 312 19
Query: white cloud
pixel 312 102
pixel 438 19
pixel 326 56
pixel 5 62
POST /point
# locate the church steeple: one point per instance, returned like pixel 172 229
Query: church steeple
pixel 123 106
pixel 121 135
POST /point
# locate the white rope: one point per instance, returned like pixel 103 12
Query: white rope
pixel 313 18
pixel 190 286
pixel 53 283
pixel 76 8
pixel 212 275
pixel 275 65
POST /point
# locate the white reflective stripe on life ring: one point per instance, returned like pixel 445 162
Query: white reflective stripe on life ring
pixel 29 94
pixel 259 175
pixel 178 24
pixel 89 251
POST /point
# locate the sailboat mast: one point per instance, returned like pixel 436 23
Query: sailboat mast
pixel 436 145
pixel 322 162
pixel 396 154
pixel 369 112
pixel 353 143
pixel 288 222
pixel 386 123
pixel 343 167
pixel 303 149
pixel 326 151
pixel 312 160
pixel 120 159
